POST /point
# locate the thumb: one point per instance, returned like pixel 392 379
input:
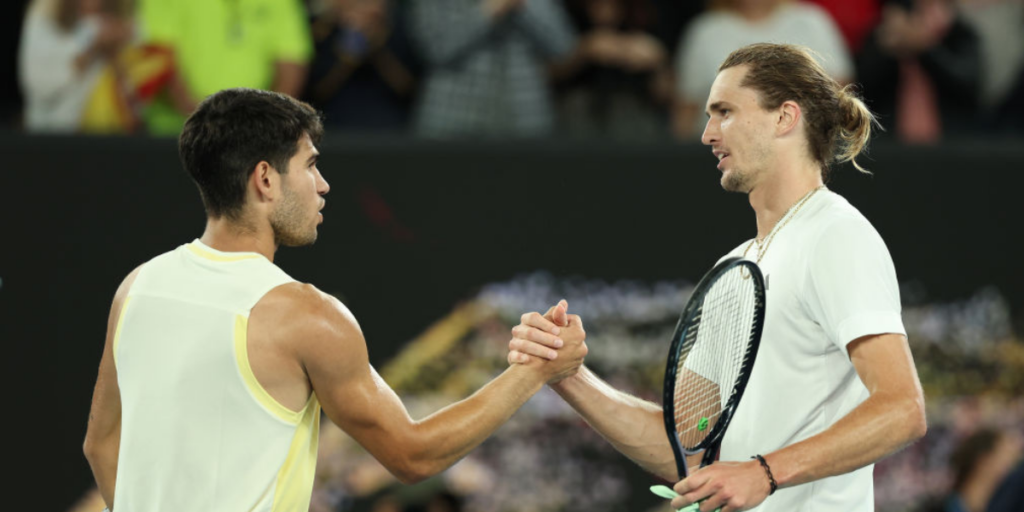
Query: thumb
pixel 559 316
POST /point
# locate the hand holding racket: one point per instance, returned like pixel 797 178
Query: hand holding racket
pixel 712 354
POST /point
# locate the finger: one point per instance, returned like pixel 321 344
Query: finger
pixel 536 320
pixel 537 336
pixel 517 357
pixel 712 503
pixel 689 484
pixel 531 348
pixel 574 321
pixel 558 316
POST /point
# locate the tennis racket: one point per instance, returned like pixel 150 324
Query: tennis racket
pixel 713 351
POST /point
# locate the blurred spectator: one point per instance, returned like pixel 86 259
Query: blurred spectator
pixel 1009 497
pixel 855 18
pixel 1009 116
pixel 731 24
pixel 263 44
pixel 485 60
pixel 443 501
pixel 999 25
pixel 68 49
pixel 618 81
pixel 364 74
pixel 980 463
pixel 921 70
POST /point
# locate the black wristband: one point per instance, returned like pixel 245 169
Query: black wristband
pixel 767 471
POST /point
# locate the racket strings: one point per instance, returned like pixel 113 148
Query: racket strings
pixel 712 355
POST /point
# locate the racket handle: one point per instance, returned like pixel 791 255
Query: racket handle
pixel 667 493
pixel 694 507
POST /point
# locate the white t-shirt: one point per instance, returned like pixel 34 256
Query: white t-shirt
pixel 830 280
pixel 712 36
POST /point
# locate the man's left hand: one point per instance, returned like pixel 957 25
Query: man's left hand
pixel 731 486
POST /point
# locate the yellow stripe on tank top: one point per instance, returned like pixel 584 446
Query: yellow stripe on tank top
pixel 219 257
pixel 295 479
pixel 120 323
pixel 255 388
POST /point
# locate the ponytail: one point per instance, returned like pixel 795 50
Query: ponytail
pixel 854 127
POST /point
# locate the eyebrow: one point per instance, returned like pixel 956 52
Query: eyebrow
pixel 718 105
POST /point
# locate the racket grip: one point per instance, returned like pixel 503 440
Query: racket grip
pixel 667 493
pixel 694 507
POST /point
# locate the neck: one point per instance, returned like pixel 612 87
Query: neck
pixel 239 236
pixel 775 195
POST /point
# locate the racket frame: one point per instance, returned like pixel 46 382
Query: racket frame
pixel 710 443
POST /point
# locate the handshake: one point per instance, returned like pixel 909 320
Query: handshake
pixel 553 343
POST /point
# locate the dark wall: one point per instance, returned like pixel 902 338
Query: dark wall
pixel 411 228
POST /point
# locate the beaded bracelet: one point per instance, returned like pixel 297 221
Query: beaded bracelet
pixel 767 471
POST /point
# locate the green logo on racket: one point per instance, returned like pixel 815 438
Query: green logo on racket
pixel 702 425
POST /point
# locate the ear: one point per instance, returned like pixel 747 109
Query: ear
pixel 788 118
pixel 265 181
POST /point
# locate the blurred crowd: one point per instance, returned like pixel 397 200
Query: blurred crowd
pixel 576 69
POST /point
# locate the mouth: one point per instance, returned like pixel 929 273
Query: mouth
pixel 721 156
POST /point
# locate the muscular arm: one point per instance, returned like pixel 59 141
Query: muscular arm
pixel 891 418
pixel 103 436
pixel 356 398
pixel 633 426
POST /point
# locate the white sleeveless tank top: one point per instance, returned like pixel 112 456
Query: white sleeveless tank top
pixel 198 432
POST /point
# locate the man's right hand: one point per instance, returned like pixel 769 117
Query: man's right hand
pixel 555 337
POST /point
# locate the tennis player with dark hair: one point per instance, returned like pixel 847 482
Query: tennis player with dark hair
pixel 217 363
pixel 834 387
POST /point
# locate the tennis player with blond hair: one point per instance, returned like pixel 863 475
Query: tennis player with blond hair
pixel 834 388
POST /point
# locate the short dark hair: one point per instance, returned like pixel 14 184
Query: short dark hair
pixel 234 130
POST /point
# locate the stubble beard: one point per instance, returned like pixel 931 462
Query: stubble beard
pixel 289 224
pixel 737 180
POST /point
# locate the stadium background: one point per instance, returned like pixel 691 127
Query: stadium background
pixel 437 246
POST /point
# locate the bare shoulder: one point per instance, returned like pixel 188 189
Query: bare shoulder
pixel 306 313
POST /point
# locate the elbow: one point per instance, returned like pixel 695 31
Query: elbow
pixel 916 420
pixel 99 451
pixel 91 450
pixel 410 472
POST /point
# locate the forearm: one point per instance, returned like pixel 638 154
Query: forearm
pixel 325 87
pixel 395 74
pixel 441 439
pixel 548 27
pixel 878 427
pixel 289 77
pixel 633 426
pixel 102 457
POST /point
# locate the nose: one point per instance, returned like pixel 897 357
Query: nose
pixel 711 134
pixel 322 187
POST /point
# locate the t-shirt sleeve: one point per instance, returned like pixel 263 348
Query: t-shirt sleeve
pixel 851 290
pixel 292 39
